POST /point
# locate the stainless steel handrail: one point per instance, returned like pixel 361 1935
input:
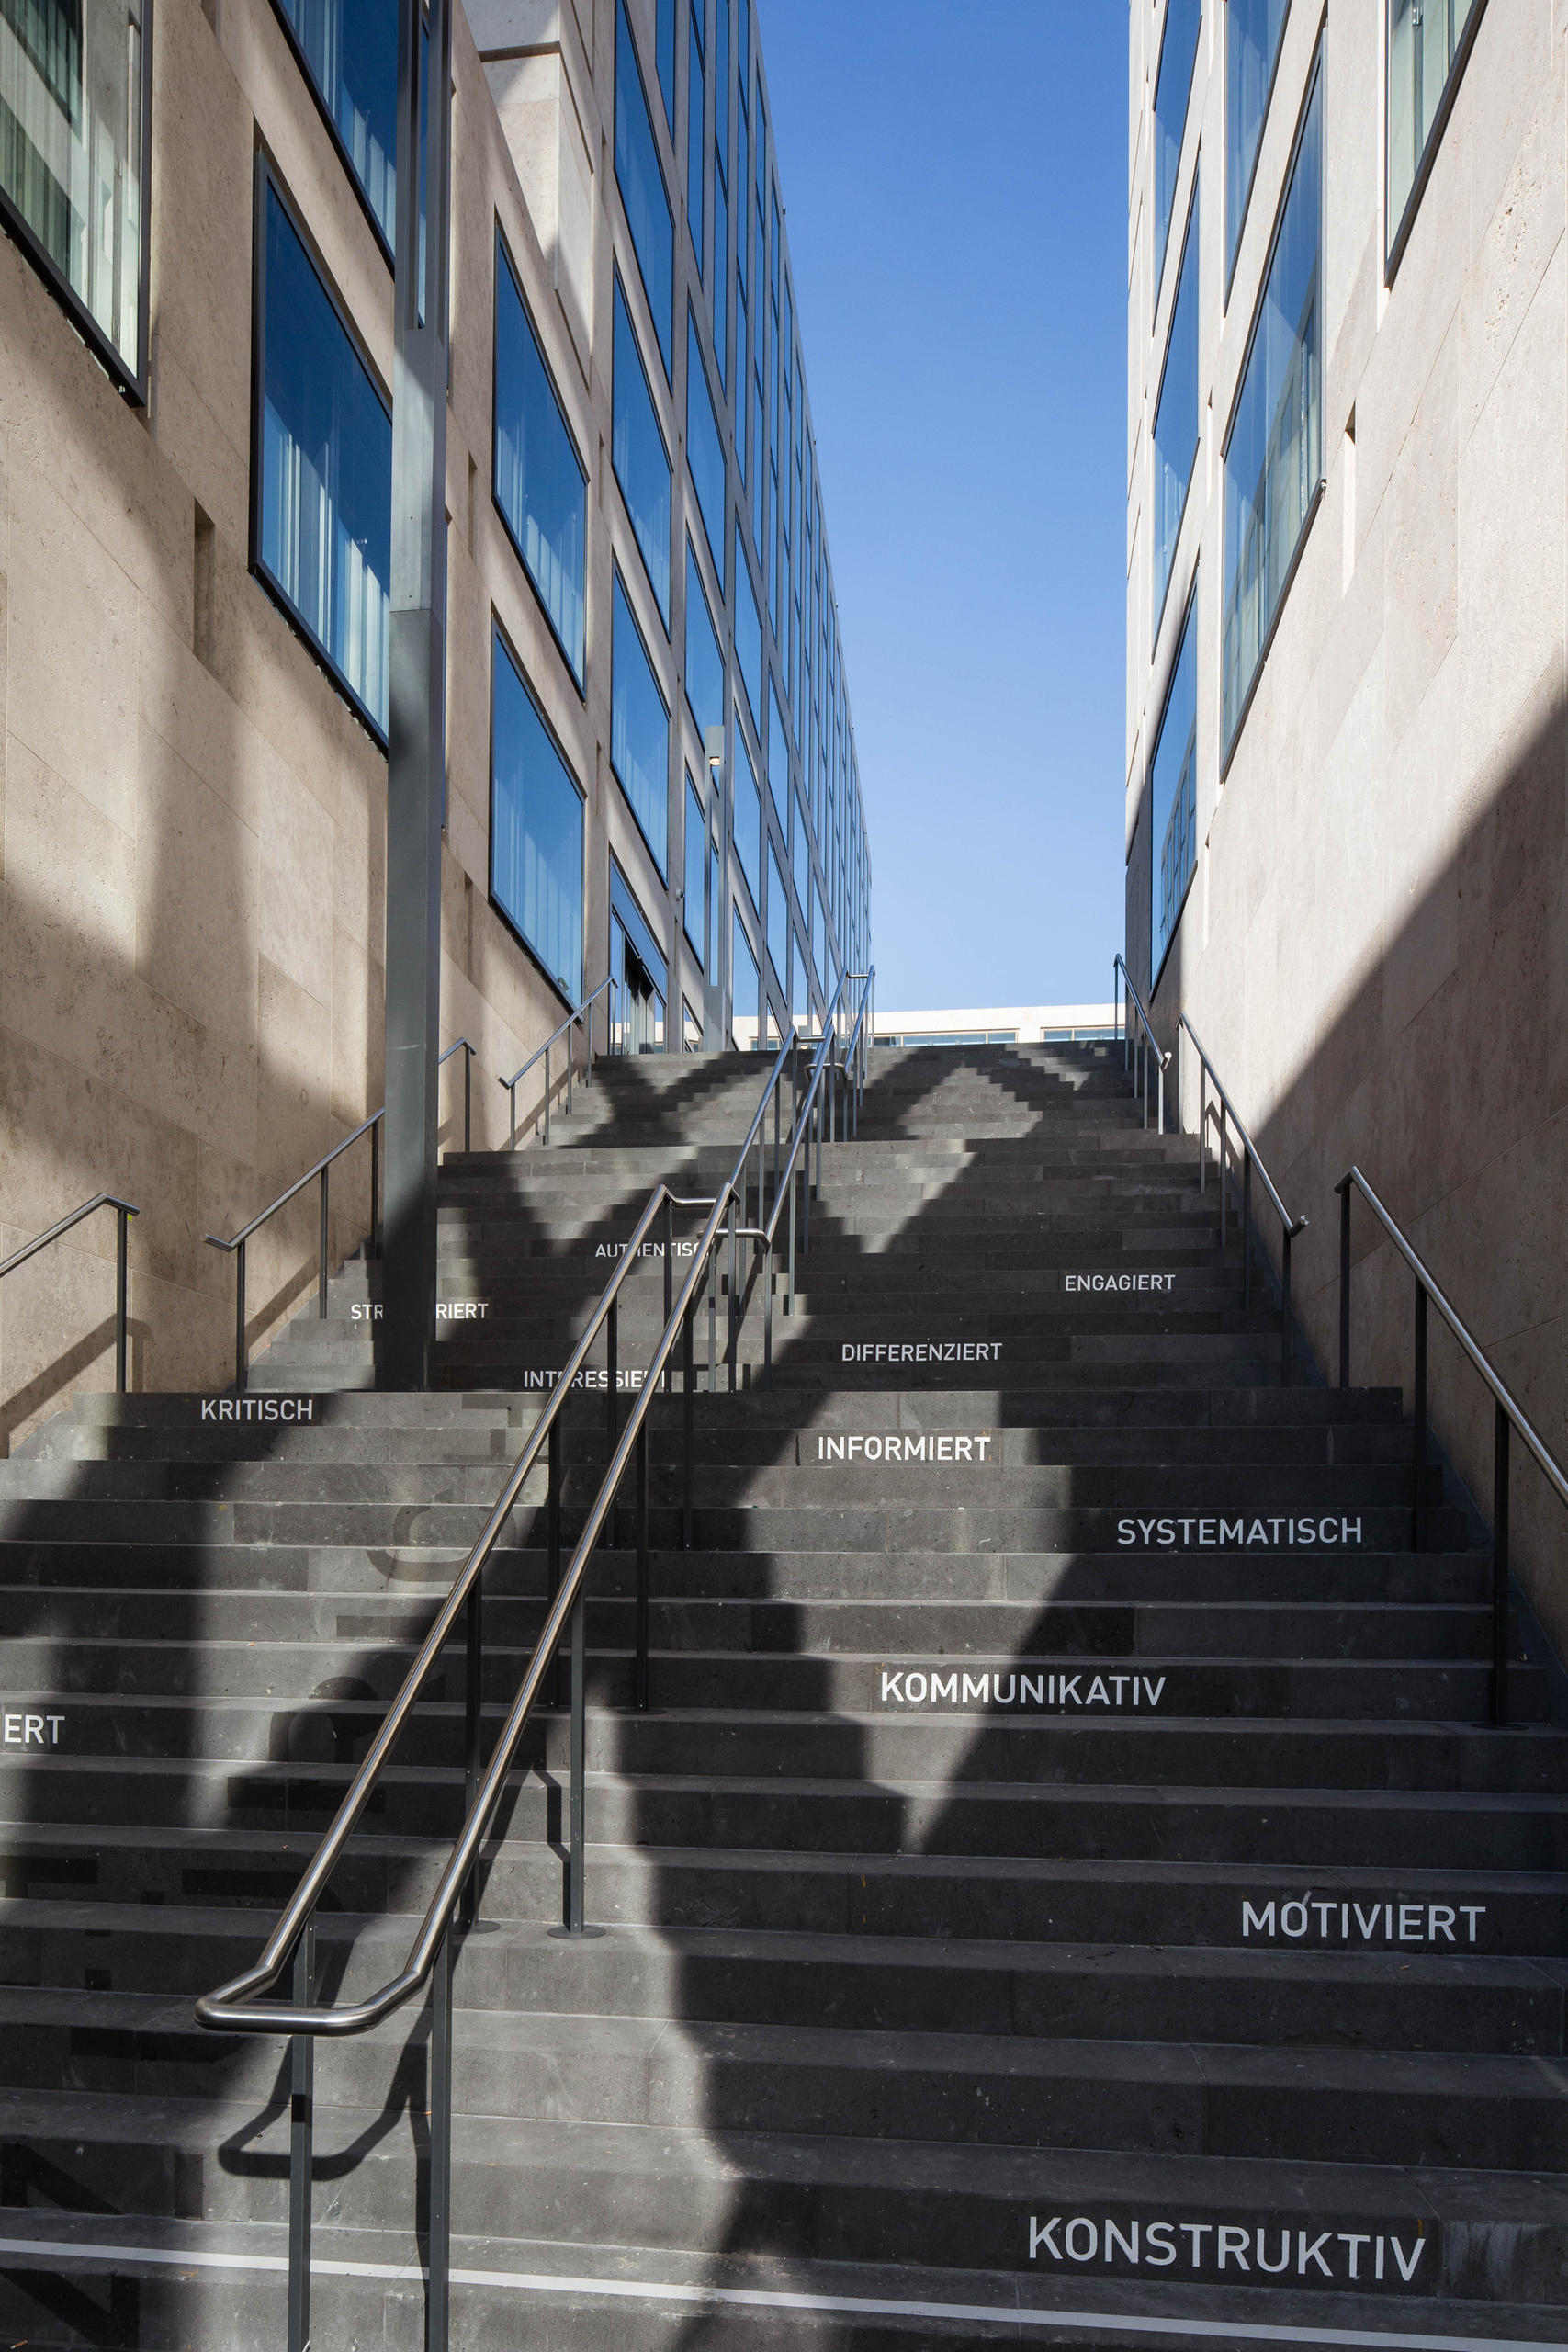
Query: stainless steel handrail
pixel 1289 1227
pixel 230 2008
pixel 808 1121
pixel 124 1211
pixel 583 1016
pixel 1138 1052
pixel 1506 1413
pixel 235 1243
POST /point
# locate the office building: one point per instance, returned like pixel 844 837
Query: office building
pixel 651 767
pixel 1345 823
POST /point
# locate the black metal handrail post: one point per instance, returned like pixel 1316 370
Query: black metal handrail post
pixel 1508 1415
pixel 1225 1115
pixel 124 1211
pixel 235 1243
pixel 461 1046
pixel 582 1019
pixel 1144 1047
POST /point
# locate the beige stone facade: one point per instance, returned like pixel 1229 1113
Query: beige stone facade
pixel 192 931
pixel 1374 945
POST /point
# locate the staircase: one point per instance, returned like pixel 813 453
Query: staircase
pixel 1060 1893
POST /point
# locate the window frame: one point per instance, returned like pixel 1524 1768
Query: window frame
pixel 1398 238
pixel 617 573
pixel 501 635
pixel 267 175
pixel 334 133
pixel 132 383
pixel 503 254
pixel 617 278
pixel 1228 750
pixel 622 10
pixel 1191 227
pixel 1164 256
pixel 1189 615
pixel 1235 255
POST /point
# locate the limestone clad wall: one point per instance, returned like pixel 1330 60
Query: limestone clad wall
pixel 192 818
pixel 1374 948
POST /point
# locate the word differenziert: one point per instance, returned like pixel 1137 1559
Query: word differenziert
pixel 943 1448
pixel 917 1686
pixel 1311 2253
pixel 1351 1922
pixel 1216 1533
pixel 922 1351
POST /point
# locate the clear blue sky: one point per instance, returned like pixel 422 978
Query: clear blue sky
pixel 955 178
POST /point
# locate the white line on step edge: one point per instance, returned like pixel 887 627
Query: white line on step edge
pixel 659 2291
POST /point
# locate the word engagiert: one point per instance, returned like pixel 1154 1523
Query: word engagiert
pixel 1119 1282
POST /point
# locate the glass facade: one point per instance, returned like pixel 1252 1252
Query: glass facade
pixel 350 49
pixel 664 56
pixel 640 178
pixel 745 987
pixel 705 449
pixel 639 731
pixel 639 456
pixel 1175 446
pixel 72 161
pixel 778 922
pixel 541 486
pixel 536 828
pixel 323 475
pixel 704 661
pixel 1173 796
pixel 1274 455
pixel 1253 31
pixel 749 657
pixel 692 912
pixel 1178 54
pixel 748 820
pixel 1426 40
pixel 696 145
pixel 778 761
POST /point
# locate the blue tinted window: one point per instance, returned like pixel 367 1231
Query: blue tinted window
pixel 1173 795
pixel 757 466
pixel 704 450
pixel 747 634
pixel 639 731
pixel 721 85
pixel 325 471
pixel 748 803
pixel 778 760
pixel 536 829
pixel 740 193
pixel 639 456
pixel 1175 417
pixel 641 182
pixel 351 48
pixel 540 486
pixel 745 988
pixel 720 271
pixel 1178 55
pixel 802 854
pixel 741 375
pixel 774 248
pixel 778 920
pixel 1252 47
pixel 1426 42
pixel 1274 455
pixel 692 914
pixel 664 57
pixel 696 144
pixel 704 662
